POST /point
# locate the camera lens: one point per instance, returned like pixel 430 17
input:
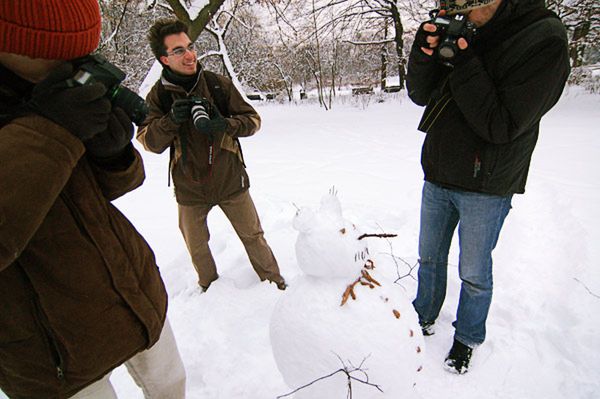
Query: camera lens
pixel 447 52
pixel 133 105
pixel 199 115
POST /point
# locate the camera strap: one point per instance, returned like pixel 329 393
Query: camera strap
pixel 221 99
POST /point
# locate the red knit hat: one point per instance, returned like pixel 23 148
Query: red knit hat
pixel 50 29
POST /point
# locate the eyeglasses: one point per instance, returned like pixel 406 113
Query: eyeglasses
pixel 180 51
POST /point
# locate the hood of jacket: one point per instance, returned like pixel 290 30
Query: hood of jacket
pixel 508 11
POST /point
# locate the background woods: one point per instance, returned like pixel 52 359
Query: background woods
pixel 283 48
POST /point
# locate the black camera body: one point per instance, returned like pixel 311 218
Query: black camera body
pixel 96 68
pixel 450 29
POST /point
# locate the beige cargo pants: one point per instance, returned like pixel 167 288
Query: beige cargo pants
pixel 241 212
pixel 158 371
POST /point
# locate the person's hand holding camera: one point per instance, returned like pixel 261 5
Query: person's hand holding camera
pixel 446 38
pixel 207 118
pixel 216 124
pixel 181 110
pixel 82 110
pixel 427 38
pixel 464 54
pixel 111 142
pixel 428 41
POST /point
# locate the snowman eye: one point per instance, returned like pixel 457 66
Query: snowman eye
pixel 343 231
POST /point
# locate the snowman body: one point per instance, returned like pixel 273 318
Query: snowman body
pixel 374 339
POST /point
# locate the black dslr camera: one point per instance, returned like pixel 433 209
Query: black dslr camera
pixel 96 68
pixel 450 29
pixel 201 109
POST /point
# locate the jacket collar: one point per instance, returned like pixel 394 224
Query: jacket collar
pixel 507 13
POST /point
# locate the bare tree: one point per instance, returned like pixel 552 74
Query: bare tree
pixel 259 62
pixel 125 24
pixel 582 20
pixel 197 24
pixel 375 23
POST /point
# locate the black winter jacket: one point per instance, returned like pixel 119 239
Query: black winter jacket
pixel 482 117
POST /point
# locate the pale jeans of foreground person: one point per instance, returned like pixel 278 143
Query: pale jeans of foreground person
pixel 479 218
pixel 158 371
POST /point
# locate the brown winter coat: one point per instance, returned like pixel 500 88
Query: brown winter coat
pixel 80 291
pixel 195 181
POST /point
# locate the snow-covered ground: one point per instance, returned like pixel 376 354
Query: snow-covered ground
pixel 544 326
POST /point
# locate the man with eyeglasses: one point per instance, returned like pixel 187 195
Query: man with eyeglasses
pixel 200 115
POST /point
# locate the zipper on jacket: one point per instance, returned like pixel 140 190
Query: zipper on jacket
pixel 52 342
pixel 476 166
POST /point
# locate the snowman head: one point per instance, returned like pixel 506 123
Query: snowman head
pixel 328 244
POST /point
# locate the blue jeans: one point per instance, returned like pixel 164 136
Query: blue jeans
pixel 481 217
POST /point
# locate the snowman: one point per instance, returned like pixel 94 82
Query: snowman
pixel 340 330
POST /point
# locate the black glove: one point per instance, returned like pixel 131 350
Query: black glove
pixel 111 142
pixel 216 123
pixel 181 110
pixel 422 35
pixel 461 58
pixel 83 110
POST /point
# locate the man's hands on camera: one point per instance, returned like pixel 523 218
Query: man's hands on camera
pixel 464 55
pixel 111 142
pixel 112 148
pixel 82 110
pixel 208 120
pixel 428 40
pixel 85 112
pixel 181 110
pixel 216 124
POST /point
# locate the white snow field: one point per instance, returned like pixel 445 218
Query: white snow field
pixel 543 338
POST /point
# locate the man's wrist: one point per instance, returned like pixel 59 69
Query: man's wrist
pixel 117 162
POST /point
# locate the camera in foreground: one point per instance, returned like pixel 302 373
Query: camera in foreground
pixel 200 112
pixel 96 68
pixel 451 28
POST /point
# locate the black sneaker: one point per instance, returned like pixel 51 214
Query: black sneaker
pixel 458 358
pixel 427 328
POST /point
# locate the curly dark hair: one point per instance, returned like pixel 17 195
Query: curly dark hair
pixel 162 28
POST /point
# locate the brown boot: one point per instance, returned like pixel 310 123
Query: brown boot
pixel 280 283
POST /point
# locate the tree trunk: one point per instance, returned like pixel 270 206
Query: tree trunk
pixel 399 42
pixel 577 47
pixel 319 67
pixel 384 59
pixel 197 25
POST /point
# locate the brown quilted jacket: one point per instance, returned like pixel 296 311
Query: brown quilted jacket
pixel 196 182
pixel 80 291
